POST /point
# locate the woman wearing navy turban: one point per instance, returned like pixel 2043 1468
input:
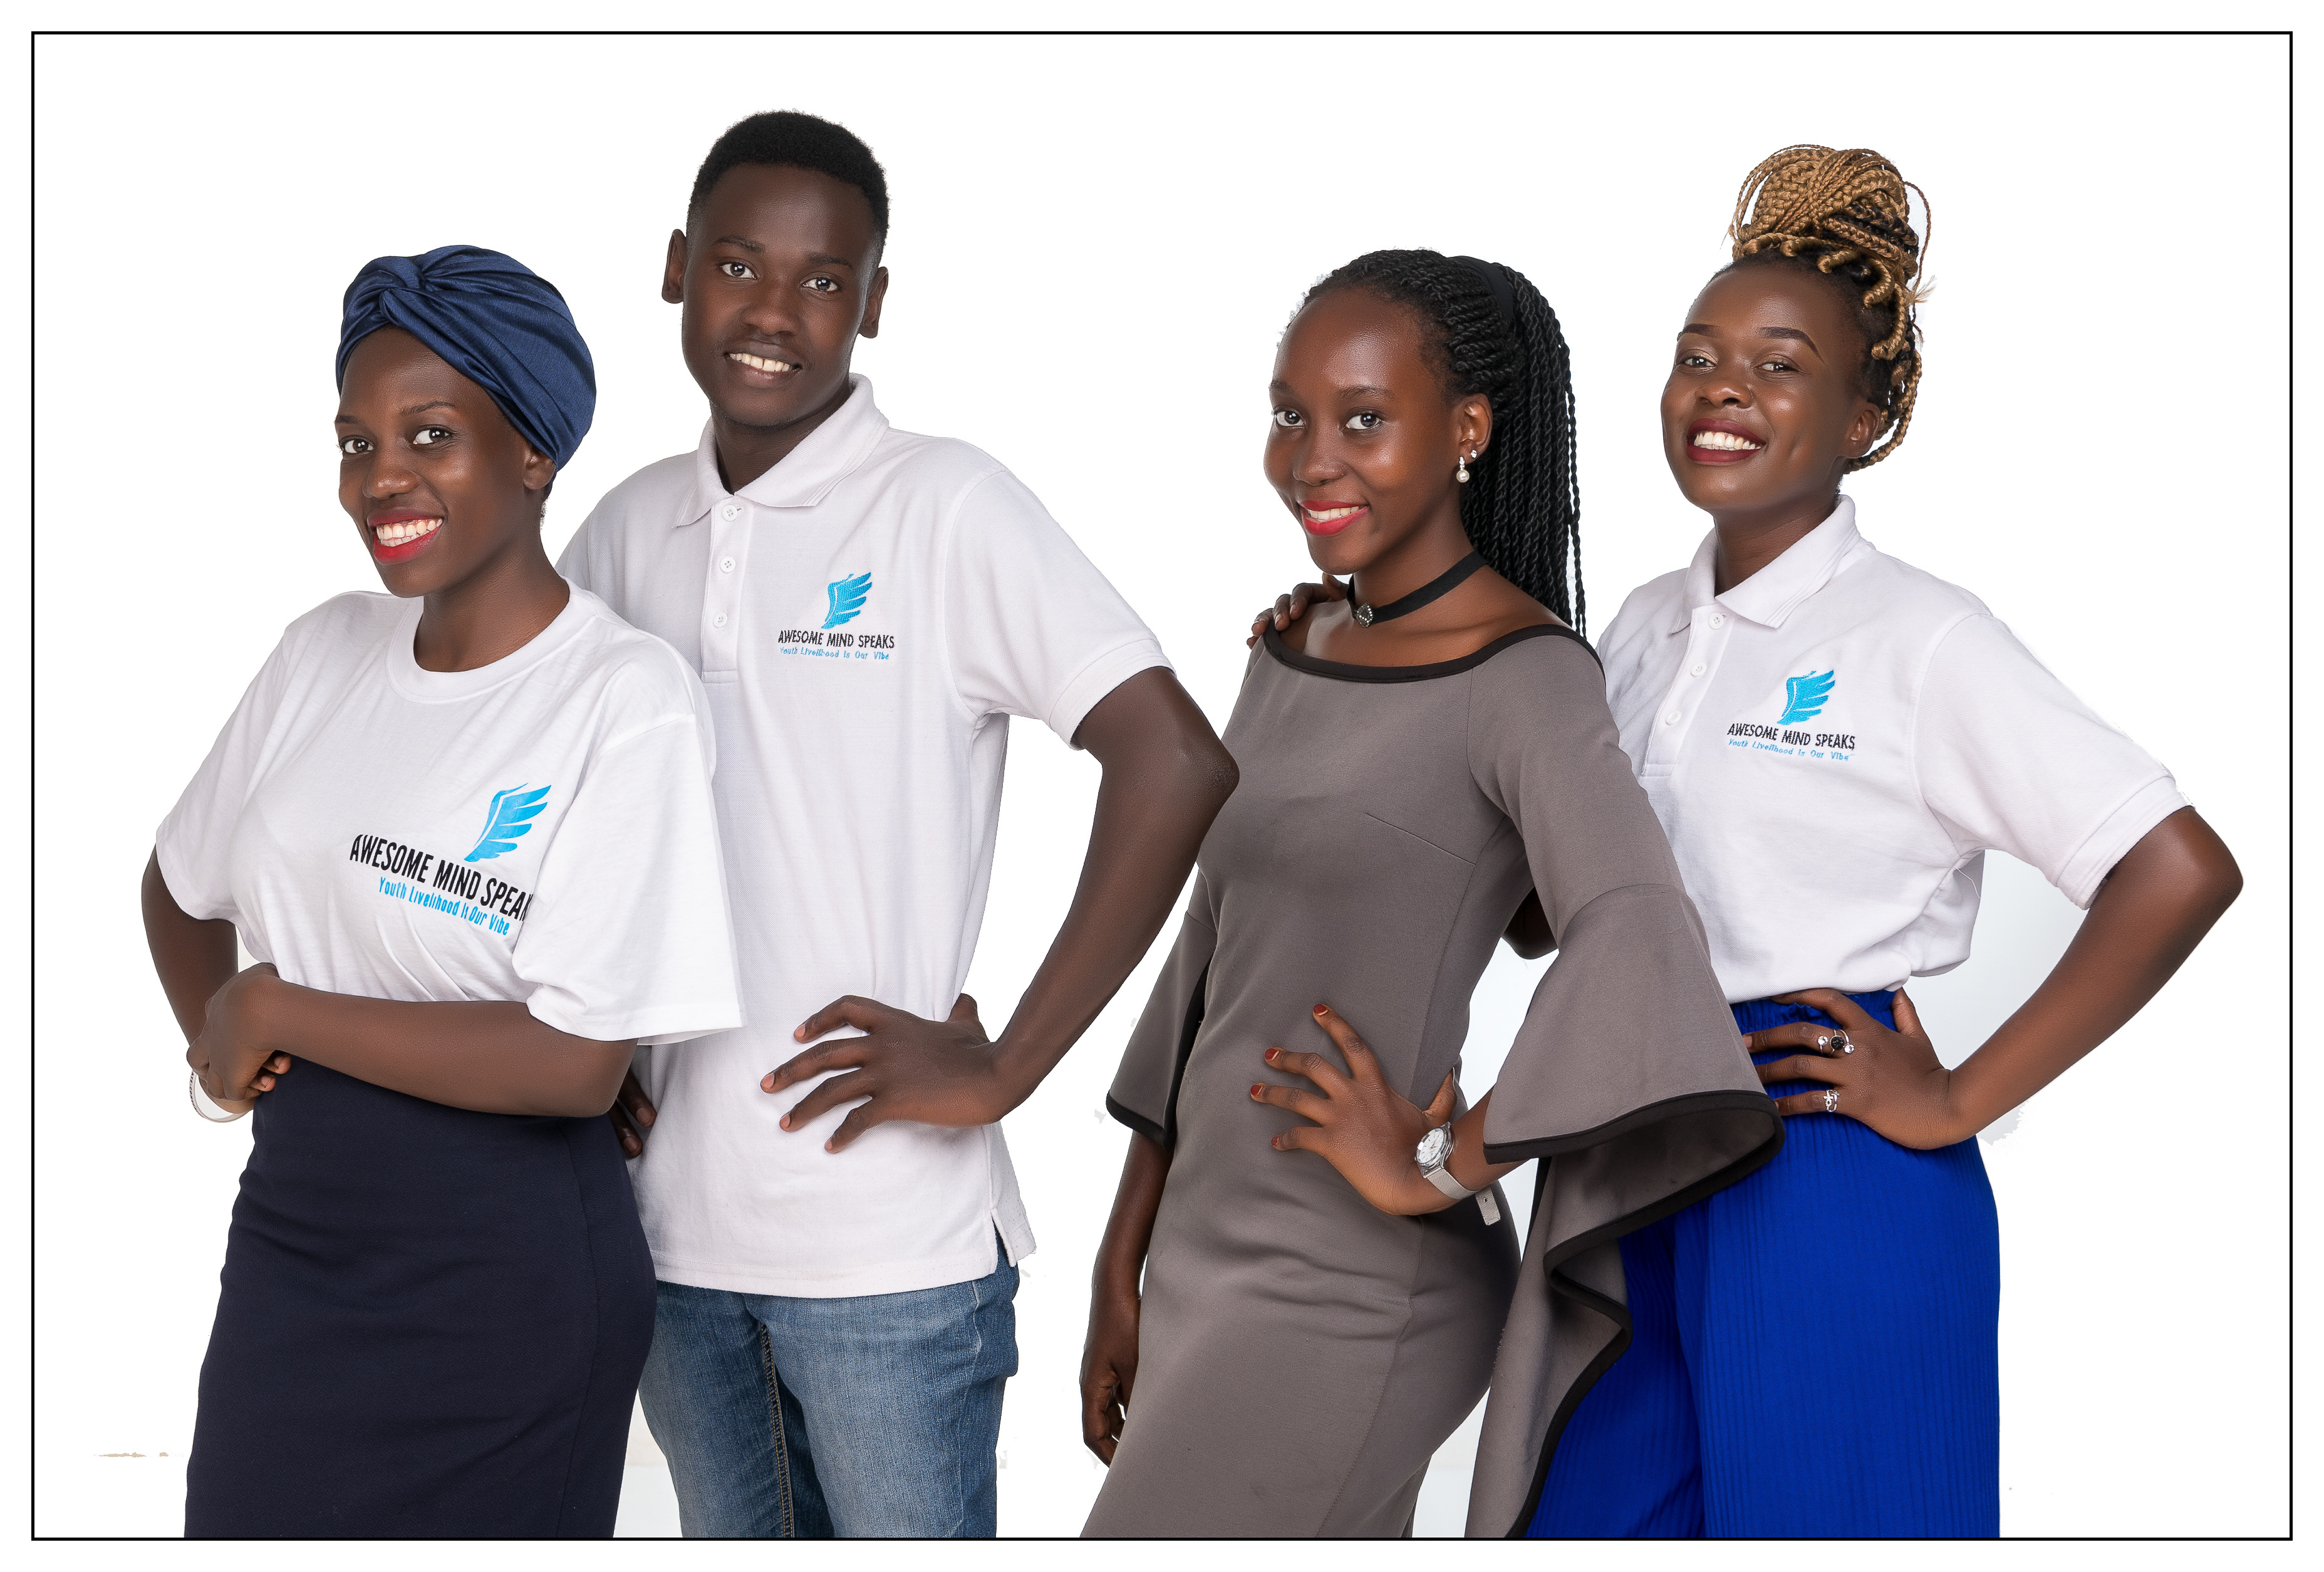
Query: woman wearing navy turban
pixel 465 829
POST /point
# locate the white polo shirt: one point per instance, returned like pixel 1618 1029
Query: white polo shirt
pixel 866 616
pixel 1833 745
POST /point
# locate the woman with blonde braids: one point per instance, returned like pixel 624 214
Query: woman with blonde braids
pixel 1832 740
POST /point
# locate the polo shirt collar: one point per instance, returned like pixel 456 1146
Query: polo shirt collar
pixel 832 452
pixel 1772 593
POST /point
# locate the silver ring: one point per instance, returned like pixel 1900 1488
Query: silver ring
pixel 1831 1099
pixel 1839 1040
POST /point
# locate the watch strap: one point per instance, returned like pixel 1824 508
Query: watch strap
pixel 1441 1176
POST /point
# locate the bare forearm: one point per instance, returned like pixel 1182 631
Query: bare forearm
pixel 1129 1230
pixel 1468 1163
pixel 494 1058
pixel 1167 776
pixel 194 957
pixel 2154 907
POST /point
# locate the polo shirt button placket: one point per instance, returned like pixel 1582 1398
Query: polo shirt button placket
pixel 1661 745
pixel 718 593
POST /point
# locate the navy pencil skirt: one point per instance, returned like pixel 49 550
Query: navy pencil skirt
pixel 430 1324
pixel 1813 1351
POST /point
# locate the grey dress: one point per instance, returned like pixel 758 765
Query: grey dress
pixel 1301 1355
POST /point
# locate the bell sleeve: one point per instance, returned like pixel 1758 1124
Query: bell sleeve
pixel 1145 1093
pixel 1627 1078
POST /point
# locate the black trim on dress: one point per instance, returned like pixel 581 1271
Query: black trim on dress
pixel 1741 1168
pixel 1135 1121
pixel 1166 1132
pixel 1344 672
pixel 1638 1119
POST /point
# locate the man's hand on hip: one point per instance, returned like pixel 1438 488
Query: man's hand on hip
pixel 931 1072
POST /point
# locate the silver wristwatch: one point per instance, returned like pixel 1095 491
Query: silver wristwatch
pixel 1434 1156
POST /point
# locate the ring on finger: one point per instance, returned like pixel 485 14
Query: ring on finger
pixel 1831 1099
pixel 1842 1041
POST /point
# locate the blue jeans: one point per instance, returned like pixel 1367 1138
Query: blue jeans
pixel 862 1418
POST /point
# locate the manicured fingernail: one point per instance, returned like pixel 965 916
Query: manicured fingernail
pixel 1271 1052
pixel 1322 1011
pixel 785 1121
pixel 1255 1089
pixel 1275 1141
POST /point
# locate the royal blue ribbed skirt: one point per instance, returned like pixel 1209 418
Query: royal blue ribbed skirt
pixel 1813 1351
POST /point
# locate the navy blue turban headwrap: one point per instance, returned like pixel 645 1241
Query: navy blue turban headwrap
pixel 497 323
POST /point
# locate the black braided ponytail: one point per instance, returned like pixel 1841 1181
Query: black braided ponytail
pixel 1492 334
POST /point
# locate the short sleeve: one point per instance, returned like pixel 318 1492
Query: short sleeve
pixel 1032 628
pixel 1145 1091
pixel 195 843
pixel 628 935
pixel 2009 760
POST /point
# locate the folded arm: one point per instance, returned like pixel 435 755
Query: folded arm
pixel 244 1027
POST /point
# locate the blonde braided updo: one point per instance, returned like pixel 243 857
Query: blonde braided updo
pixel 1846 214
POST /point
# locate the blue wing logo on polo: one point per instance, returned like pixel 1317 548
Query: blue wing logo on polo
pixel 1804 698
pixel 507 820
pixel 847 597
pixel 844 599
pixel 454 887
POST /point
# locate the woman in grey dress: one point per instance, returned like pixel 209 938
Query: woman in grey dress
pixel 1414 762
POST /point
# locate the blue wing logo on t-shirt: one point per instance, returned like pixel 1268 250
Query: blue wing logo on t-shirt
pixel 847 597
pixel 510 817
pixel 1805 696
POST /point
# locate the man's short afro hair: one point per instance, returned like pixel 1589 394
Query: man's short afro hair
pixel 785 136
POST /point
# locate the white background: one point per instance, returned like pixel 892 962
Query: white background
pixel 1096 244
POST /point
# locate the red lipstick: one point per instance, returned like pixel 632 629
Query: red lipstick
pixel 1349 512
pixel 404 550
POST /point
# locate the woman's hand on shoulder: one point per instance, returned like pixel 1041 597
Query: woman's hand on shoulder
pixel 1290 608
pixel 1890 1080
pixel 231 1056
pixel 1361 1125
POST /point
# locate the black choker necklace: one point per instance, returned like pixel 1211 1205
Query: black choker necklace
pixel 1443 584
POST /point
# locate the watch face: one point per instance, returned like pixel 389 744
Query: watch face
pixel 1433 1147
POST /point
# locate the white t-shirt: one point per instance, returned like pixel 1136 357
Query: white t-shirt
pixel 1832 746
pixel 866 617
pixel 539 829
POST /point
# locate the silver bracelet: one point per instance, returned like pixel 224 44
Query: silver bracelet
pixel 204 1106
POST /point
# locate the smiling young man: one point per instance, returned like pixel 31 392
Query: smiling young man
pixel 835 1228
